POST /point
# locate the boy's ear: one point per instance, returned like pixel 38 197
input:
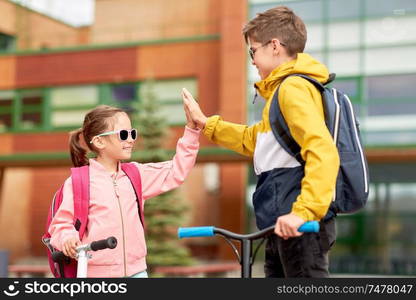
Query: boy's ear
pixel 277 46
pixel 276 43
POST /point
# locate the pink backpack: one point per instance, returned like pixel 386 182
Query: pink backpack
pixel 81 188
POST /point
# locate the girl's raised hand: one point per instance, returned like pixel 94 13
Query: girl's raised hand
pixel 190 123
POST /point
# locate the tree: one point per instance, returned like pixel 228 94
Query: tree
pixel 164 213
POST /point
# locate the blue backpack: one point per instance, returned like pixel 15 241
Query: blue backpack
pixel 351 191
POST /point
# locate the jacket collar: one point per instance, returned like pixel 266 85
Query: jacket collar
pixel 303 64
pixel 267 86
pixel 95 165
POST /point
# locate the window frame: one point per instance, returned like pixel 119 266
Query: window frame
pixel 17 109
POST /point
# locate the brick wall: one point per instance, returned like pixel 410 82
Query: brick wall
pixel 7 71
pixel 46 181
pixel 199 59
pixel 133 20
pixel 7 20
pixel 15 208
pixel 233 108
pixel 49 33
pixel 76 67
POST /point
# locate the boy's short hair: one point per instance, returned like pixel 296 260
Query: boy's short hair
pixel 279 22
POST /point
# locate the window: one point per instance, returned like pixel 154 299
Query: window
pixel 391 109
pixel 309 11
pixel 68 97
pixel 390 31
pixel 70 104
pixel 344 62
pixel 318 55
pixel 31 101
pixel 315 39
pixel 341 9
pixel 7 42
pixel 391 95
pixel 6 109
pixel 343 34
pixel 391 87
pixel 381 60
pixel 389 7
pixel 123 95
pixel 168 93
pixel 21 110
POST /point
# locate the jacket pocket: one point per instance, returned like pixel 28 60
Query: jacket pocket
pixel 264 202
pixel 275 193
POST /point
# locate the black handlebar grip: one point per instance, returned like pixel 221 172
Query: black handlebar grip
pixel 110 243
pixel 58 256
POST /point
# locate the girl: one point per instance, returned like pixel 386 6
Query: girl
pixel 113 208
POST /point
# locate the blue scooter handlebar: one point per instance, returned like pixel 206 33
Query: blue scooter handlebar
pixel 185 232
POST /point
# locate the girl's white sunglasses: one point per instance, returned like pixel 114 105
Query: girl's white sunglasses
pixel 123 134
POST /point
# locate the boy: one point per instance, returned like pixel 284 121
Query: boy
pixel 287 193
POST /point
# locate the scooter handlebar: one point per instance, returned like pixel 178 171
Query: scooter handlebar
pixel 311 226
pixel 110 243
pixel 185 232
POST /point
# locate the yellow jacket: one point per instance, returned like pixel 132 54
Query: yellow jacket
pixel 301 105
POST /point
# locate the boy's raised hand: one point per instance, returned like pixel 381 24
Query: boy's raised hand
pixel 192 109
pixel 189 122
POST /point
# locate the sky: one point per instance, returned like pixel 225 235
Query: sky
pixel 74 12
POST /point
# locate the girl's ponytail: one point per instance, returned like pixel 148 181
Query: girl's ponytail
pixel 78 151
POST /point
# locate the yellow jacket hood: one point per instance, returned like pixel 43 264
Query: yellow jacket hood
pixel 303 64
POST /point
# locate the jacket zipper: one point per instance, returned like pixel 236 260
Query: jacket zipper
pixel 122 226
pixel 255 97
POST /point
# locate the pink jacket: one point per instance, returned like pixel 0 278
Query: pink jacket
pixel 113 209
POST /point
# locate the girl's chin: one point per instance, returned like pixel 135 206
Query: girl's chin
pixel 125 155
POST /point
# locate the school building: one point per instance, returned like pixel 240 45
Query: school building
pixel 52 73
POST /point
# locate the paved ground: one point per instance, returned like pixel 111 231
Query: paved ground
pixel 257 270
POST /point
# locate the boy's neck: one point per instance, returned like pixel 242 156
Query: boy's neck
pixel 280 62
pixel 283 60
pixel 286 59
pixel 110 165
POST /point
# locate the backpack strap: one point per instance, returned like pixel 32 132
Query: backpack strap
pixel 278 124
pixel 81 190
pixel 133 174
